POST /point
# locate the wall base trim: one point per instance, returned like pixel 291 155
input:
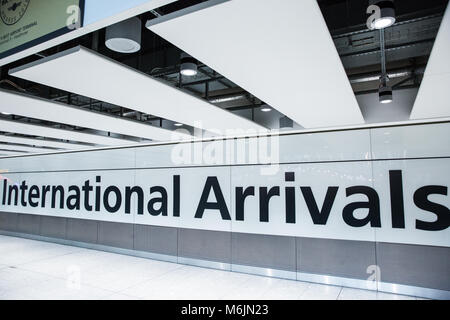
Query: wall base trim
pixel 337 281
pixel 414 291
pixel 266 272
pixel 205 263
pixel 275 273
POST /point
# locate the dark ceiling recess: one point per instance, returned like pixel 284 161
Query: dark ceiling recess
pixel 408 42
pixel 344 16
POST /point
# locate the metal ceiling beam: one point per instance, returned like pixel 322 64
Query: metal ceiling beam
pixel 5 153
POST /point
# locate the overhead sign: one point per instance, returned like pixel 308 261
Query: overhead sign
pixel 406 203
pixel 25 23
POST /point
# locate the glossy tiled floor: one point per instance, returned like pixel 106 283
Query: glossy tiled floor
pixel 39 270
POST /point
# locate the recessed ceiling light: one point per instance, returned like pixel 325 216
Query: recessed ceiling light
pixel 178 124
pixel 266 109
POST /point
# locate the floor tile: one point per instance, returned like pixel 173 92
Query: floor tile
pixel 321 292
pixel 40 270
pixel 356 294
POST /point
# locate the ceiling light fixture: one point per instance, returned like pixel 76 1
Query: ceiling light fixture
pixel 188 65
pixel 385 91
pixel 125 36
pixel 384 15
pixel 266 109
pixel 6 113
pixel 178 124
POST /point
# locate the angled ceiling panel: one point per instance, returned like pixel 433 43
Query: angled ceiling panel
pixel 92 75
pixel 280 51
pixel 13 147
pixel 36 108
pixel 433 99
pixel 41 143
pixel 5 153
pixel 42 131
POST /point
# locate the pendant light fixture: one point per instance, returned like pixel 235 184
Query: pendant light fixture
pixel 383 14
pixel 188 66
pixel 125 36
pixel 385 91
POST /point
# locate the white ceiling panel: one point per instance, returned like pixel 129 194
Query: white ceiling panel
pixel 41 143
pixel 36 108
pixel 13 147
pixel 433 99
pixel 90 74
pixel 36 130
pixel 4 153
pixel 280 51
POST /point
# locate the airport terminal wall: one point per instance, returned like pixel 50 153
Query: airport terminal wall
pixel 365 208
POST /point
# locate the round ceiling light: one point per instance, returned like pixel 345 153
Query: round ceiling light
pixel 125 36
pixel 188 66
pixel 386 16
pixel 383 22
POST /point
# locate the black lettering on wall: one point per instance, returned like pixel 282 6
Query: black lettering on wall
pixel 162 200
pixel 16 194
pixel 112 208
pixel 442 213
pixel 290 204
pixel 45 190
pixel 23 189
pixel 397 205
pixel 87 188
pixel 264 199
pixel 33 194
pixel 319 217
pixel 290 198
pixel 140 199
pixel 241 195
pixel 5 184
pixel 60 190
pixel 73 200
pixel 373 204
pixel 212 184
pixel 98 179
pixel 176 196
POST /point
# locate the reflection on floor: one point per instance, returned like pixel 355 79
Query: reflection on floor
pixel 39 270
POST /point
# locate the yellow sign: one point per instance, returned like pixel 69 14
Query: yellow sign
pixel 25 23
